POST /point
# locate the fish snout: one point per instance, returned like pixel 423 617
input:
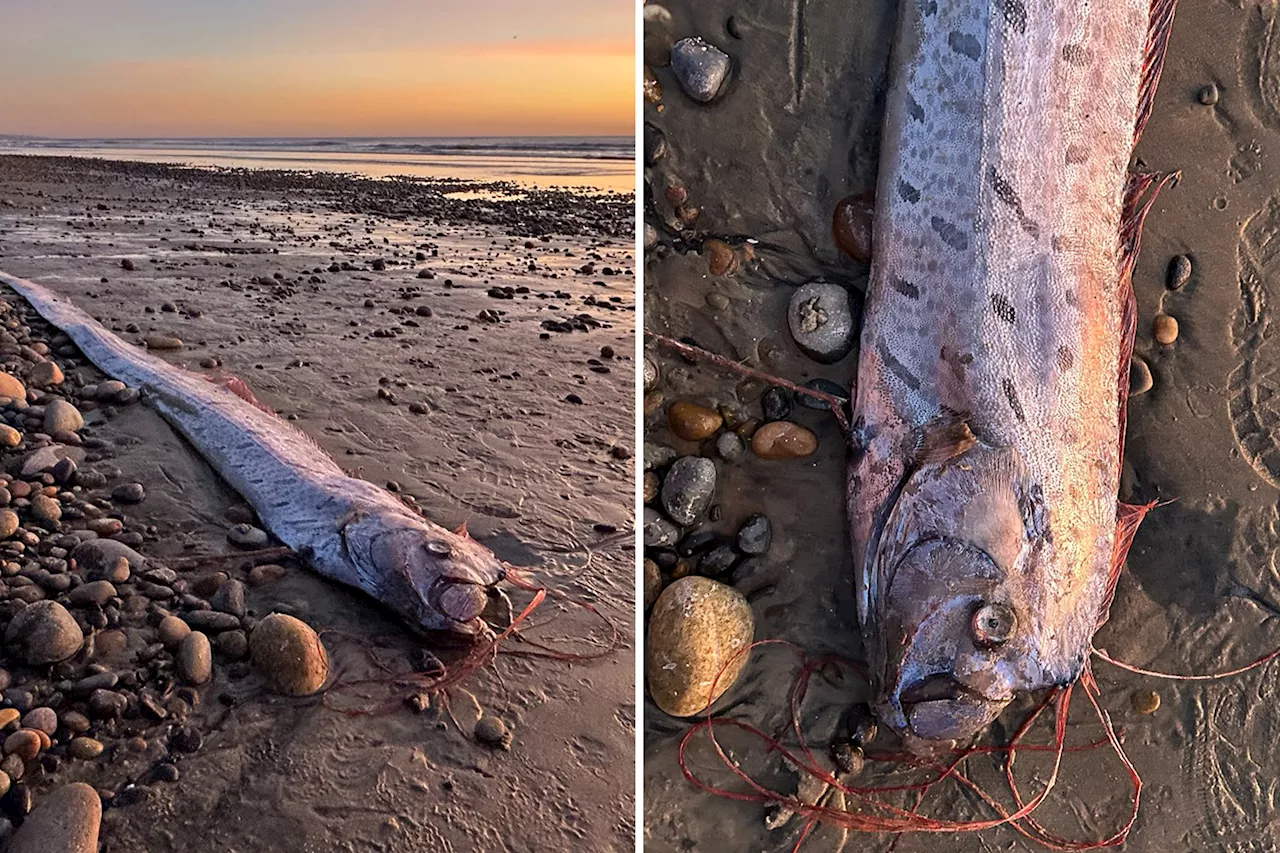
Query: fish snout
pixel 941 708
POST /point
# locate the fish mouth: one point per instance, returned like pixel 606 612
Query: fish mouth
pixel 940 708
pixel 461 600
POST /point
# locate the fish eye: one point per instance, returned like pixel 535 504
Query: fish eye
pixel 993 624
pixel 440 549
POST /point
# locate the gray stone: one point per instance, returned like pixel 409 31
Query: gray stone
pixel 700 68
pixel 43 633
pixel 688 488
pixel 823 319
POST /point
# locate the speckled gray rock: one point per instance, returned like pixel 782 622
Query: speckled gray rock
pixel 247 536
pixel 700 68
pixel 729 446
pixel 688 488
pixel 755 535
pixel 823 319
pixel 658 531
pixel 657 455
pixel 43 633
pixel 66 821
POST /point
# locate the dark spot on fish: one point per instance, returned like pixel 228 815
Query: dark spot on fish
pixel 1007 194
pixel 1003 308
pixel 914 109
pixel 965 358
pixel 964 44
pixel 1057 243
pixel 904 287
pixel 929 7
pixel 1077 154
pixel 1035 516
pixel 1015 14
pixel 896 367
pixel 908 192
pixel 1075 54
pixel 1012 394
pixel 950 233
pixel 1065 358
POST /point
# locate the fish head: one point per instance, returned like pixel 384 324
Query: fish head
pixel 444 576
pixel 965 617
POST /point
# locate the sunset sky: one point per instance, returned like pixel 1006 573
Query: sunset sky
pixel 179 68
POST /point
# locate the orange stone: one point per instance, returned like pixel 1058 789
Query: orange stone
pixel 783 440
pixel 693 422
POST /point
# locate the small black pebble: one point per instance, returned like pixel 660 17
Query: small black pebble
pixel 776 404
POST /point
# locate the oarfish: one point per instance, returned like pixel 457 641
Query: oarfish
pixel 989 407
pixel 345 528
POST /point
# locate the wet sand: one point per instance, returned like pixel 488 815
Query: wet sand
pixel 805 106
pixel 464 407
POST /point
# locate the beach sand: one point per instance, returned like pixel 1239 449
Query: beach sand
pixel 805 107
pixel 456 393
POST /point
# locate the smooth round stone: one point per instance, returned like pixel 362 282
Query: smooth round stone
pixel 1140 378
pixel 232 644
pixel 8 523
pixel 693 422
pixel 45 374
pixel 85 748
pixel 721 260
pixel 107 703
pixel 43 633
pixel 851 226
pixel 729 446
pixel 9 437
pixel 195 658
pixel 11 387
pixel 101 556
pixel 651 374
pixel 129 493
pixel 649 485
pixel 163 342
pixel 94 592
pixel 755 535
pixel 1165 329
pixel 826 386
pixel 696 628
pixel 659 532
pixel 775 404
pixel 492 731
pixel 700 68
pixel 688 488
pixel 212 621
pixel 266 573
pixel 718 561
pixel 783 440
pixel 8 716
pixel 24 743
pixel 289 654
pixel 43 719
pixel 247 536
pixel 46 508
pixel 1145 701
pixel 657 455
pixel 66 821
pixel 230 598
pixel 75 721
pixel 652 583
pixel 822 318
pixel 61 416
pixel 1179 272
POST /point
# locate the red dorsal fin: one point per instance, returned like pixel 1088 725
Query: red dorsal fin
pixel 237 386
pixel 462 531
pixel 1160 23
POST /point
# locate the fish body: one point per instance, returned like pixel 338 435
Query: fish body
pixel 348 529
pixel 988 411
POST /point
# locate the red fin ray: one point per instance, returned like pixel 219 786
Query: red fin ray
pixel 1159 25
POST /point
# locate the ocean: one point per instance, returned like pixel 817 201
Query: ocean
pixel 599 163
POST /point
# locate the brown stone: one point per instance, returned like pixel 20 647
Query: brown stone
pixel 693 422
pixel 783 440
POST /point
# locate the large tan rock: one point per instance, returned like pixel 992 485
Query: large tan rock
pixel 65 821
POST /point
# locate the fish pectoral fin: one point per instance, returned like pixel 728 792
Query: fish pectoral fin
pixel 945 437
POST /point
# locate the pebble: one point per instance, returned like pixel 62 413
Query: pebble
pixel 46 508
pixel 721 259
pixel 851 226
pixel 693 422
pixel 9 437
pixel 700 68
pixel 24 743
pixel 289 655
pixel 39 461
pixel 755 535
pixel 43 719
pixel 783 440
pixel 1208 95
pixel 826 386
pixel 266 573
pixel 775 404
pixel 652 583
pixel 187 739
pixel 107 703
pixel 230 598
pixel 655 144
pixel 93 592
pixel 195 658
pixel 718 561
pixel 67 821
pixel 211 621
pixel 163 342
pixel 492 731
pixel 103 556
pixel 659 532
pixel 85 748
pixel 1140 378
pixel 129 493
pixel 649 485
pixel 696 628
pixel 75 721
pixel 1179 272
pixel 8 716
pixel 651 374
pixel 233 645
pixel 822 318
pixel 45 374
pixel 11 387
pixel 729 446
pixel 247 536
pixel 61 416
pixel 43 633
pixel 8 523
pixel 688 488
pixel 1165 329
pixel 1145 701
